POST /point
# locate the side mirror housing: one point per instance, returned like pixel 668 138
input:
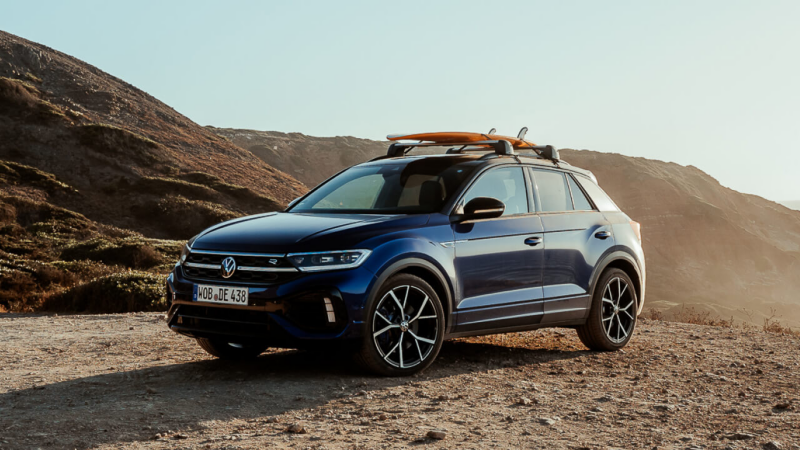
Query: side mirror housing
pixel 479 208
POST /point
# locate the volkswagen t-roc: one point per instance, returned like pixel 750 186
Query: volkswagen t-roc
pixel 391 257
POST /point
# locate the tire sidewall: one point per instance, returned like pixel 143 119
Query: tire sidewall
pixel 597 306
pixel 371 355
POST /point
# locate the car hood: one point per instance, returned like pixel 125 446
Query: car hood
pixel 287 232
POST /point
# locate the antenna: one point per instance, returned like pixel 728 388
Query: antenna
pixel 492 131
pixel 522 132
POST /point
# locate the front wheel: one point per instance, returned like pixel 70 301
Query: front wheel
pixel 612 318
pixel 223 349
pixel 404 327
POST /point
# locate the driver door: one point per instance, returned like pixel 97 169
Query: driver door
pixel 499 262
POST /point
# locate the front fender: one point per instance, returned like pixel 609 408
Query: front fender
pixel 396 255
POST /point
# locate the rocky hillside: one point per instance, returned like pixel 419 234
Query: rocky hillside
pixel 125 155
pixel 708 247
pixel 93 171
pixel 307 158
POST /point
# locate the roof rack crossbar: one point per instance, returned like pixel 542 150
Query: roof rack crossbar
pixel 500 147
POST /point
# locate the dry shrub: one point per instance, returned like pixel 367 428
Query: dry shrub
pixel 21 99
pixel 116 293
pixel 693 316
pixel 128 252
pixel 181 218
pixel 48 275
pixel 16 288
pixel 773 325
pixel 652 314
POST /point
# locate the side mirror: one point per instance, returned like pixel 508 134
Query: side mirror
pixel 479 208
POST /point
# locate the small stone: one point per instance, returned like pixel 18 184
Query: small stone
pixel 784 406
pixel 664 407
pixel 383 417
pixel 151 391
pixel 525 401
pixel 296 428
pixel 546 421
pixel 180 436
pixel 772 445
pixel 437 434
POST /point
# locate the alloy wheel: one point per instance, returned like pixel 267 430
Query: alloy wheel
pixel 618 310
pixel 404 327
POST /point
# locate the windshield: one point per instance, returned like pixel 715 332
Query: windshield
pixel 412 187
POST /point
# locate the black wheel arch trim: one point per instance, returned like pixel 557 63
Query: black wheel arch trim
pixel 607 260
pixel 403 264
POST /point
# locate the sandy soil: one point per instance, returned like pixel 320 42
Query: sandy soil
pixel 124 381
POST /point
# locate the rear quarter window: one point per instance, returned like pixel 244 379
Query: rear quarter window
pixel 599 197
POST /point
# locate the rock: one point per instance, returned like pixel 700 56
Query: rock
pixel 664 407
pixel 437 434
pixel 296 428
pixel 784 406
pixel 772 445
pixel 151 391
pixel 180 436
pixel 525 401
pixel 740 436
pixel 546 421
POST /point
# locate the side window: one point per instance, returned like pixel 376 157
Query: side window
pixel 600 198
pixel 507 185
pixel 578 197
pixel 553 191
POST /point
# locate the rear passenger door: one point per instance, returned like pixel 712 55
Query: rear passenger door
pixel 576 235
pixel 498 261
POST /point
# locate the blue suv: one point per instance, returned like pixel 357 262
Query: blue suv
pixel 391 257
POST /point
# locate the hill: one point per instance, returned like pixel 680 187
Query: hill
pixel 792 204
pixel 309 159
pixel 708 247
pixel 86 157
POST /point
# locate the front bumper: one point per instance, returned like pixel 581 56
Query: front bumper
pixel 292 314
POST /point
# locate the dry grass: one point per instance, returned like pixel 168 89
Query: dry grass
pixel 691 315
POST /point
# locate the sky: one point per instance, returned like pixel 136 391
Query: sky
pixel 714 84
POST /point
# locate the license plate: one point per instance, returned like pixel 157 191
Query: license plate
pixel 220 294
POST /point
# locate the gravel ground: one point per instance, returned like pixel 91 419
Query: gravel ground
pixel 125 381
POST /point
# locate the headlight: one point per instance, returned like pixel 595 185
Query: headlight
pixel 184 254
pixel 319 261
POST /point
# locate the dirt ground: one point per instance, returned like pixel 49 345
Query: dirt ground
pixel 125 381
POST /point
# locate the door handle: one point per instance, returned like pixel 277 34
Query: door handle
pixel 533 241
pixel 602 234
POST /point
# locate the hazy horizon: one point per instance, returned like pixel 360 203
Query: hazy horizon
pixel 710 84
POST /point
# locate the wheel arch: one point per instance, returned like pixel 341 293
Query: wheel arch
pixel 428 272
pixel 625 262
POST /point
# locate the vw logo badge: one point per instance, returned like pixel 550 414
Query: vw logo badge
pixel 228 267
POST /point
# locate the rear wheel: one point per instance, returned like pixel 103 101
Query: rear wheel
pixel 612 318
pixel 404 327
pixel 223 349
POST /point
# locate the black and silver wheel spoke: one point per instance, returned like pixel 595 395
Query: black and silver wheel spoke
pixel 404 331
pixel 618 320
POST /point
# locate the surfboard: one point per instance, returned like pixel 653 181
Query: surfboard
pixel 458 137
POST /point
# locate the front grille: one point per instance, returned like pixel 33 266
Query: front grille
pixel 250 269
pixel 232 322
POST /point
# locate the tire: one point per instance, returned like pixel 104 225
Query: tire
pixel 223 349
pixel 612 318
pixel 397 344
